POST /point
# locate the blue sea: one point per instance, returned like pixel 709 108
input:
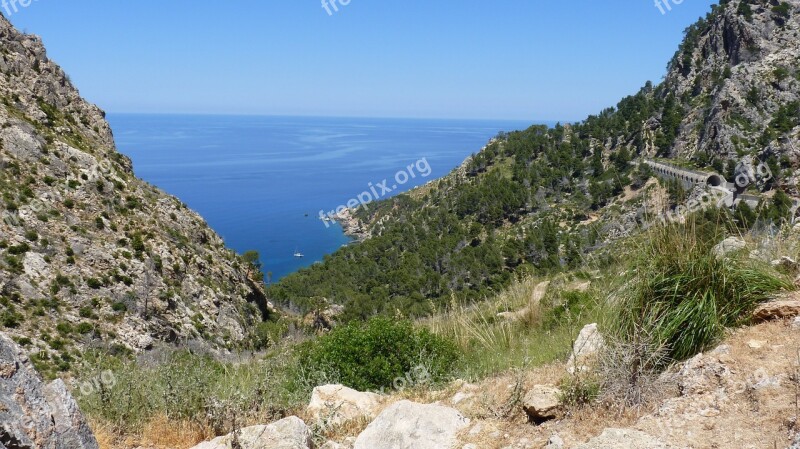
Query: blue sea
pixel 261 181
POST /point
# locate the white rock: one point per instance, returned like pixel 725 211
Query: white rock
pixel 542 402
pixel 555 442
pixel 407 425
pixel 728 246
pixel 796 323
pixel 289 433
pixel 623 439
pixel 337 404
pixel 460 397
pixel 35 265
pixel 585 350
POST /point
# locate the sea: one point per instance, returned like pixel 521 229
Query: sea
pixel 262 181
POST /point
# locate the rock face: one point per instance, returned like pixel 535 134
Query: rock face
pixel 777 310
pixel 542 403
pixel 34 415
pixel 407 425
pixel 586 349
pixel 623 439
pixel 289 433
pixel 336 404
pixel 84 242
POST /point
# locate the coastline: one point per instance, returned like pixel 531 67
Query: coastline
pixel 351 226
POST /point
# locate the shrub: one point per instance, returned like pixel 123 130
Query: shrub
pixel 119 307
pixel 22 248
pixel 682 295
pixel 371 355
pixel 84 328
pixel 94 283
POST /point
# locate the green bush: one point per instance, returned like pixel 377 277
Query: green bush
pixel 119 307
pixel 371 355
pixel 684 296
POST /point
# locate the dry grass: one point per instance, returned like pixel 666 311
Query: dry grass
pixel 159 433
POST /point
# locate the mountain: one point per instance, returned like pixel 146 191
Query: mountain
pixel 545 199
pixel 91 256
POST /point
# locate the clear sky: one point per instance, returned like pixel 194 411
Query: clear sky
pixel 505 59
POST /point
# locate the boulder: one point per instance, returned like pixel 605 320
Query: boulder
pixel 408 425
pixel 337 404
pixel 623 439
pixel 728 246
pixel 34 415
pixel 542 403
pixel 777 310
pixel 586 349
pixel 288 433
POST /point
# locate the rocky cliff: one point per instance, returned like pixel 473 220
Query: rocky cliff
pixel 91 256
pixel 34 415
pixel 737 75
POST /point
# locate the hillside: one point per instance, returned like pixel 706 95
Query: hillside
pixel 91 256
pixel 546 199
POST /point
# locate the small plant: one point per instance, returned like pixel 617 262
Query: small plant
pixel 94 283
pixel 119 307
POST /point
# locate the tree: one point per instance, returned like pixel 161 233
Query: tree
pixel 253 260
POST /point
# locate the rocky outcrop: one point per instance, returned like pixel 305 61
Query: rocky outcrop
pixel 744 63
pixel 777 310
pixel 289 433
pixel 34 415
pixel 86 245
pixel 586 349
pixel 542 403
pixel 407 425
pixel 623 439
pixel 336 404
pixel 728 246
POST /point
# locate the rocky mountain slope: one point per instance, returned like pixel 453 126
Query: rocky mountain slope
pixel 91 256
pixel 546 199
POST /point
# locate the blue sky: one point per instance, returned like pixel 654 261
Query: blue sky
pixel 503 59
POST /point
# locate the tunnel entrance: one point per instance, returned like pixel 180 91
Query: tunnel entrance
pixel 715 181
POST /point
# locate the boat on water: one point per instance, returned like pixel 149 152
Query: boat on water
pixel 298 254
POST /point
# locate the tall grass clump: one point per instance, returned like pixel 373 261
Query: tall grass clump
pixel 682 296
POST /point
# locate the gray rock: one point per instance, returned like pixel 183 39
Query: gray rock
pixel 289 433
pixel 728 246
pixel 407 425
pixel 34 415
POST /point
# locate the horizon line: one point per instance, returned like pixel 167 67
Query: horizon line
pixel 377 117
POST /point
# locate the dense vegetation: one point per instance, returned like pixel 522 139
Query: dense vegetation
pixel 520 206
